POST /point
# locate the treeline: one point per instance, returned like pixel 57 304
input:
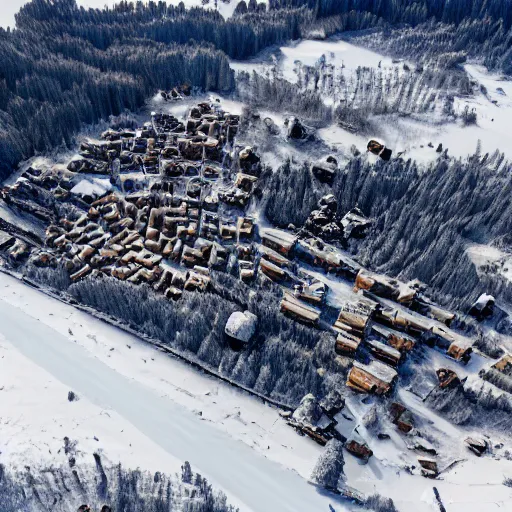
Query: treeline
pixel 282 362
pixel 279 95
pixel 64 66
pixel 473 407
pixel 239 37
pixel 61 489
pixel 423 220
pixel 402 11
pixel 444 46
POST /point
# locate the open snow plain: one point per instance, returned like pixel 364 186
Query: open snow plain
pixel 146 409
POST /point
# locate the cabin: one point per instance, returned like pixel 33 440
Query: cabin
pixel 312 291
pixel 434 311
pixel 280 241
pixel 314 251
pixel 273 256
pixel 299 310
pixel 359 449
pixel 272 271
pixel 398 340
pixel 447 378
pixel 504 365
pixel 428 467
pixel 402 320
pixel 376 377
pixel 385 287
pixel 245 227
pixel 347 344
pixel 354 317
pixel 401 417
pixel 383 352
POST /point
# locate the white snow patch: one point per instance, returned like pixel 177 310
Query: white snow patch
pixel 95 187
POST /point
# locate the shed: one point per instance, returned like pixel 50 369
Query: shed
pixel 384 286
pixel 347 344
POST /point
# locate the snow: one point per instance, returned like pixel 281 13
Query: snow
pixel 483 255
pixel 377 369
pixel 337 53
pixel 188 415
pixel 95 187
pixel 241 326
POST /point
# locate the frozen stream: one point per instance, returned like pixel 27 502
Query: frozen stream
pixel 260 484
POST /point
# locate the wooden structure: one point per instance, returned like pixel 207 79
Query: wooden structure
pixel 299 310
pixel 398 340
pixel 354 317
pixel 281 241
pixel 375 377
pixel 385 287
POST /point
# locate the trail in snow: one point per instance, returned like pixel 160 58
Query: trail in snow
pixel 257 482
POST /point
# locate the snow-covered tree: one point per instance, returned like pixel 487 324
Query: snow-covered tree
pixel 329 468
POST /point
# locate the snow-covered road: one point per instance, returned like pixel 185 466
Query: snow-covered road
pixel 257 482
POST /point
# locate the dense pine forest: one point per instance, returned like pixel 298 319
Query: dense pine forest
pixel 65 66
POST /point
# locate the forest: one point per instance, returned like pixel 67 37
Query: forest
pixel 60 488
pixel 65 66
pixel 423 220
pixel 281 363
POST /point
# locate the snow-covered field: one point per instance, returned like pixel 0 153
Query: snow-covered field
pixel 144 408
pixel 140 406
pixel 493 105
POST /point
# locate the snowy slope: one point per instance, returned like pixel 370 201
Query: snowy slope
pixel 178 431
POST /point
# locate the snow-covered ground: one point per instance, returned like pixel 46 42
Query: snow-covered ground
pixel 167 411
pixel 153 411
pixel 409 134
